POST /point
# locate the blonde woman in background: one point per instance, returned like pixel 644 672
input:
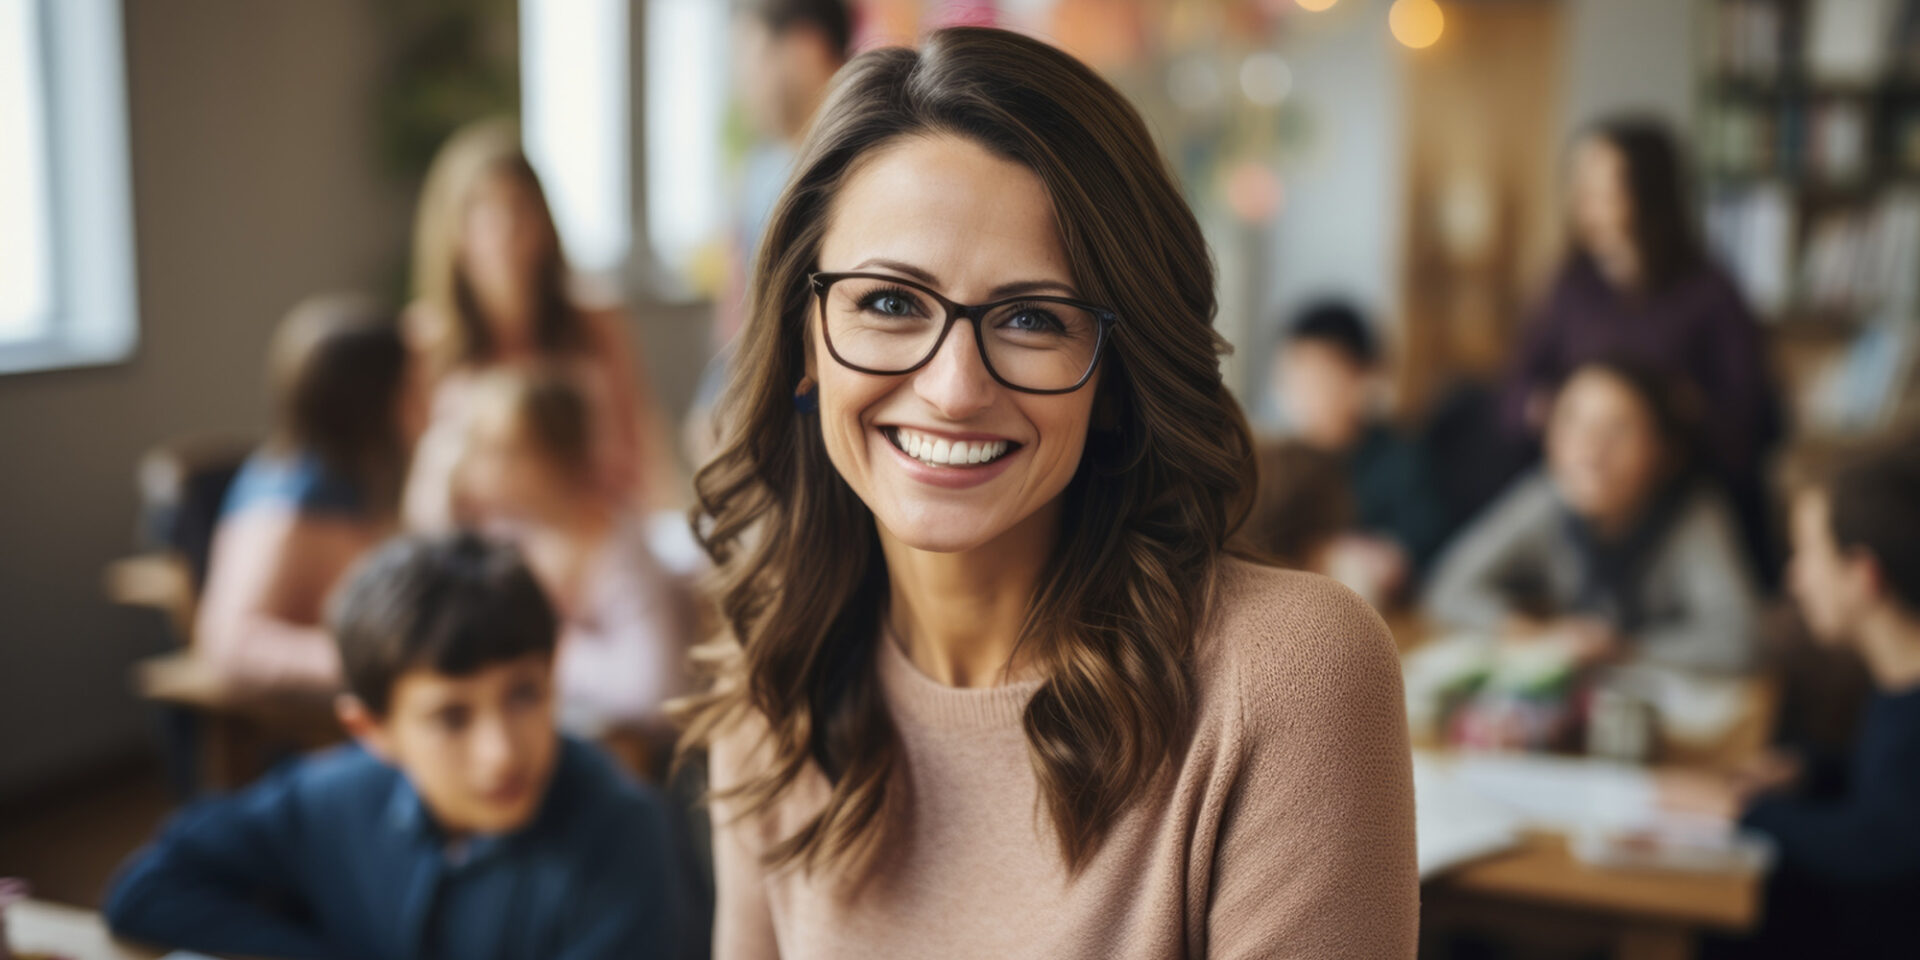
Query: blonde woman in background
pixel 490 288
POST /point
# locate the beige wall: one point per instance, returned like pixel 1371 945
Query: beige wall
pixel 253 186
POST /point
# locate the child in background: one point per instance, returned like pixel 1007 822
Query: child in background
pixel 1301 509
pixel 324 489
pixel 1613 551
pixel 1849 868
pixel 1330 377
pixel 460 825
pixel 528 474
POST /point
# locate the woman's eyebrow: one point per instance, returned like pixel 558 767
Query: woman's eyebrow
pixel 1014 289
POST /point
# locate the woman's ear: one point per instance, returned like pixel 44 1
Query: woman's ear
pixel 808 358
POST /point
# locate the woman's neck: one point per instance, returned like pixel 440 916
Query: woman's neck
pixel 1621 269
pixel 958 616
pixel 508 311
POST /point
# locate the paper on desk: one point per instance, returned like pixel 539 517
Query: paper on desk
pixel 1454 825
pixel 1558 793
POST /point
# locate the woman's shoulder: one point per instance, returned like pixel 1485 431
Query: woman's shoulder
pixel 297 481
pixel 605 325
pixel 1285 643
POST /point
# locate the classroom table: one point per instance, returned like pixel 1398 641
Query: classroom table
pixel 1640 915
pixel 240 729
pixel 1537 891
pixel 36 926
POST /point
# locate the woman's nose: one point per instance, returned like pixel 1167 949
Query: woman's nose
pixel 956 382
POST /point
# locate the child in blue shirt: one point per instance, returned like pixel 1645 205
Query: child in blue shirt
pixel 460 824
pixel 1848 875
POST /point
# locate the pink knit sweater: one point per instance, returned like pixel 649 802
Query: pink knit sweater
pixel 1284 830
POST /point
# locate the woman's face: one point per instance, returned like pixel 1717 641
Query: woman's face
pixel 943 211
pixel 504 235
pixel 1602 205
pixel 1603 448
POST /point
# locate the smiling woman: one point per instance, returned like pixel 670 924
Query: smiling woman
pixel 971 510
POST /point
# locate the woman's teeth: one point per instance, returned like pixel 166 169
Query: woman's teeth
pixel 941 452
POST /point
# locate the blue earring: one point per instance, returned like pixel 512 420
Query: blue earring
pixel 807 398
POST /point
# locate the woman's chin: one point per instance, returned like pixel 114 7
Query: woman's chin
pixel 942 528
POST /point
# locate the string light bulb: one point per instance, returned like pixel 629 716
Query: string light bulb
pixel 1416 23
pixel 1315 6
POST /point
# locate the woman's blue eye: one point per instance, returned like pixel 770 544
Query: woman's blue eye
pixel 1033 320
pixel 889 303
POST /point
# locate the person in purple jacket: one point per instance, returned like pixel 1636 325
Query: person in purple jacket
pixel 1638 283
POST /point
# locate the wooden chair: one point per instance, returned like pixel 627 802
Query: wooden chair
pixel 222 736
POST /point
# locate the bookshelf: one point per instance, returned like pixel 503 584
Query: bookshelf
pixel 1808 144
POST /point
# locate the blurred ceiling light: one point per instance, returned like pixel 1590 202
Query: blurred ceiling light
pixel 1265 79
pixel 1416 23
pixel 1315 6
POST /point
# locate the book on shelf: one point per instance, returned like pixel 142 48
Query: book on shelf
pixel 1750 230
pixel 1747 40
pixel 1848 40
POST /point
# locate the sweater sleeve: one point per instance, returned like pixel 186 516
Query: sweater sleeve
pixel 1719 602
pixel 222 878
pixel 1316 855
pixel 1851 843
pixel 1466 587
pixel 742 914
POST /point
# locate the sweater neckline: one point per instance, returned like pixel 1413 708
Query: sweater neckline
pixel 919 700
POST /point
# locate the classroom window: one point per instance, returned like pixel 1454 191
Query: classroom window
pixel 66 227
pixel 26 235
pixel 686 89
pixel 576 123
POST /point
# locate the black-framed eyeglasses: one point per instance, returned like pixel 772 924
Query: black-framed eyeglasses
pixel 883 325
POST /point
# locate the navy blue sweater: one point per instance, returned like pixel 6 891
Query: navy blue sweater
pixel 336 857
pixel 1860 853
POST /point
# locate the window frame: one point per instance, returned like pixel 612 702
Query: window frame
pixel 93 295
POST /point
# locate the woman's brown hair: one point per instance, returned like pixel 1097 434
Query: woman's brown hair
pixel 476 152
pixel 337 367
pixel 1166 477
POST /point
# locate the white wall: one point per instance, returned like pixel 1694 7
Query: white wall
pixel 1340 233
pixel 253 186
pixel 1630 55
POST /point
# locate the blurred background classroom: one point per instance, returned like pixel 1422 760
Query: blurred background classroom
pixel 1423 215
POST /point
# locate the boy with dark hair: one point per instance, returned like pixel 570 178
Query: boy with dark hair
pixel 460 824
pixel 1329 375
pixel 1849 867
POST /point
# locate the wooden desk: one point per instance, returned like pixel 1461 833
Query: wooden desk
pixel 36 926
pixel 239 727
pixel 1540 891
